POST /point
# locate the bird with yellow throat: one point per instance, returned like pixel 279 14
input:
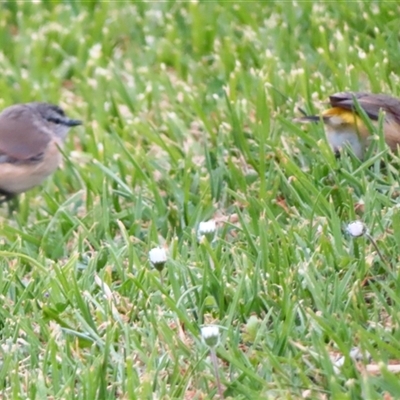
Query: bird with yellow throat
pixel 345 127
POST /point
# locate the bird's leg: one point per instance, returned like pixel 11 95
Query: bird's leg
pixel 5 196
pixel 10 199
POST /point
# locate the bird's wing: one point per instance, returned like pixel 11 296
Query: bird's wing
pixel 371 103
pixel 21 135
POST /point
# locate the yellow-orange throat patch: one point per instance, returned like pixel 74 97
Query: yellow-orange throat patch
pixel 343 116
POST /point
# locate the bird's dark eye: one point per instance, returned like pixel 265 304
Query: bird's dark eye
pixel 55 120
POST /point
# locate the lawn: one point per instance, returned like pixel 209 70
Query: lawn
pixel 188 112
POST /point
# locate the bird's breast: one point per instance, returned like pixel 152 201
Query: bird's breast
pixel 340 137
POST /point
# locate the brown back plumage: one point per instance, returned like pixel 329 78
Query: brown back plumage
pixel 370 103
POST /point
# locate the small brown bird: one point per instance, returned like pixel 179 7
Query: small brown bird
pixel 30 137
pixel 343 126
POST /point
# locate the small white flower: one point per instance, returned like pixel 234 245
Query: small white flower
pixel 356 229
pixel 210 335
pixel 207 228
pixel 95 51
pixel 158 257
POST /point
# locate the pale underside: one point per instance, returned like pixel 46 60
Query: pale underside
pixel 341 137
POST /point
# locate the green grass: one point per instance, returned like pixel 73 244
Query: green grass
pixel 188 115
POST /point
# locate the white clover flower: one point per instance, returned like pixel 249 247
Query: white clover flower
pixel 158 257
pixel 207 229
pixel 210 335
pixel 356 229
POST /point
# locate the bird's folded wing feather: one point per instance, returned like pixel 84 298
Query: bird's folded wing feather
pixel 371 103
pixel 21 137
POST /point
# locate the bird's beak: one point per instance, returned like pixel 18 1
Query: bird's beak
pixel 72 122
